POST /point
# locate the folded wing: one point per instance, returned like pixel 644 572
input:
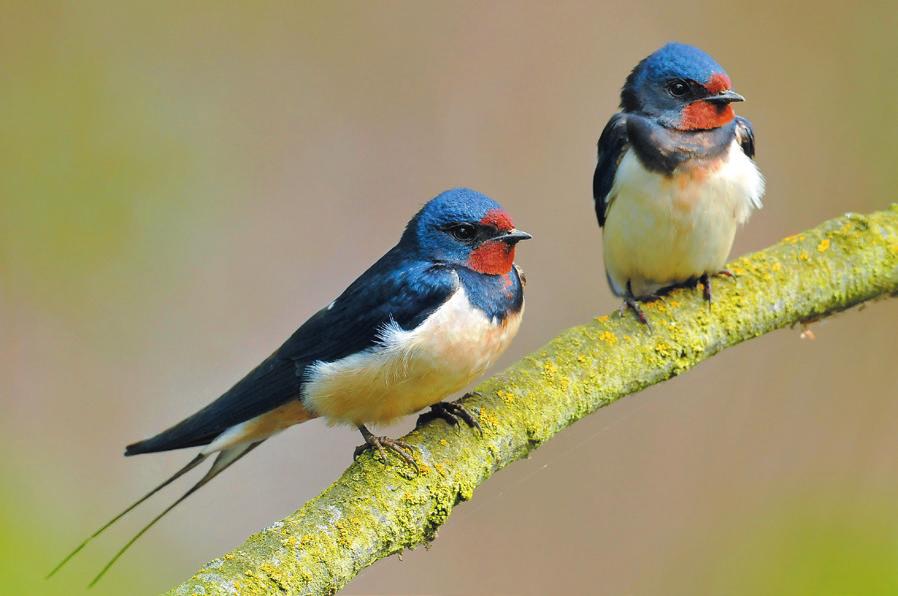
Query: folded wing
pixel 393 289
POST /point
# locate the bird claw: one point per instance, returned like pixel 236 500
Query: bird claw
pixel 631 302
pixel 451 412
pixel 633 305
pixel 705 280
pixel 400 448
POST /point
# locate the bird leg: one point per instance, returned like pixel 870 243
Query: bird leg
pixel 451 412
pixel 400 448
pixel 632 302
pixel 705 280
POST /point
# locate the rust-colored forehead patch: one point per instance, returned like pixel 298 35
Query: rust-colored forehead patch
pixel 718 82
pixel 498 218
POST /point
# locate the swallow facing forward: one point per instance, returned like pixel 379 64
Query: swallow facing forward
pixel 425 320
pixel 675 176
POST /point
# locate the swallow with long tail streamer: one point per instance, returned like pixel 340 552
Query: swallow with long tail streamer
pixel 425 320
pixel 675 176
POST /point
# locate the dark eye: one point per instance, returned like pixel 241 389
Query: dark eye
pixel 463 231
pixel 677 88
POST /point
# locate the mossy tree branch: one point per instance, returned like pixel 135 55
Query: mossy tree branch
pixel 374 511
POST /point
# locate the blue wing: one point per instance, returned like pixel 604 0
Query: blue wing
pixel 394 288
pixel 613 143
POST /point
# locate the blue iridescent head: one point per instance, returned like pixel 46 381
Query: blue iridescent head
pixel 680 87
pixel 464 227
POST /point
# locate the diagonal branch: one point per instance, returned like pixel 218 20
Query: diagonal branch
pixel 374 511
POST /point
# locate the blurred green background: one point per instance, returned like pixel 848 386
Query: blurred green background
pixel 184 183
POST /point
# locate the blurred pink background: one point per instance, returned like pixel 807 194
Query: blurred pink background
pixel 185 183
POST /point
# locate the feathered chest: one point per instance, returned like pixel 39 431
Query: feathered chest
pixel 663 229
pixel 728 183
pixel 410 369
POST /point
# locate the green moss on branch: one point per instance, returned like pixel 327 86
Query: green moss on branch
pixel 374 511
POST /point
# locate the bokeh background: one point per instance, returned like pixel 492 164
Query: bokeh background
pixel 184 183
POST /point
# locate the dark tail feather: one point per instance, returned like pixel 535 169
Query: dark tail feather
pixel 174 438
pixel 191 465
pixel 222 462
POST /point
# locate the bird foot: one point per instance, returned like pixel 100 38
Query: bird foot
pixel 451 412
pixel 633 305
pixel 400 448
pixel 632 302
pixel 705 280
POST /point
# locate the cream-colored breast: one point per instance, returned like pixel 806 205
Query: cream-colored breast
pixel 409 370
pixel 663 230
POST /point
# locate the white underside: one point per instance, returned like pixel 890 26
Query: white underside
pixel 409 370
pixel 663 230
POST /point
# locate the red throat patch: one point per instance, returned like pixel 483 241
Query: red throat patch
pixel 493 257
pixel 703 115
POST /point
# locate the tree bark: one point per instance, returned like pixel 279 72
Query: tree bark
pixel 373 511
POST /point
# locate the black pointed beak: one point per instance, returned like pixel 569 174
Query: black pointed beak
pixel 513 236
pixel 724 97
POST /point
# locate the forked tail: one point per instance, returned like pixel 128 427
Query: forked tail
pixel 225 458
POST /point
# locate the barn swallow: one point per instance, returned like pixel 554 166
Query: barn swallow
pixel 675 176
pixel 425 320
